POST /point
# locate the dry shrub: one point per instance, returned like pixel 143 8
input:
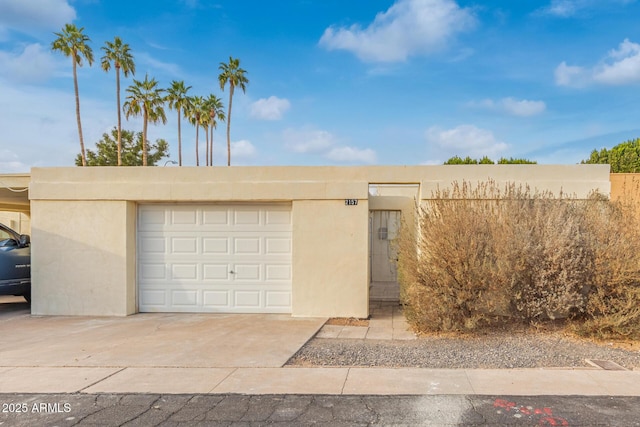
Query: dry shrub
pixel 485 255
pixel 613 307
pixel 549 262
pixel 451 270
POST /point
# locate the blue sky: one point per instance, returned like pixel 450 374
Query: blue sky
pixel 335 82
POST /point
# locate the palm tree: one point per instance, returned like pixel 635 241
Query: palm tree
pixel 194 114
pixel 73 42
pixel 234 75
pixel 204 122
pixel 215 108
pixel 118 54
pixel 145 98
pixel 178 100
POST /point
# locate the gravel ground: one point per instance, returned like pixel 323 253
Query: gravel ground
pixel 500 351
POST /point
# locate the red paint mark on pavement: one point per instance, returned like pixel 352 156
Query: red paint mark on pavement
pixel 553 421
pixel 546 414
pixel 499 403
pixel 524 410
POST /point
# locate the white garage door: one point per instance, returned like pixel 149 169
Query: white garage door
pixel 214 258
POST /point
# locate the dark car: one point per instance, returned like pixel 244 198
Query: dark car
pixel 15 263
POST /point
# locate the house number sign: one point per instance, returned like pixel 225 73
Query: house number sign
pixel 350 202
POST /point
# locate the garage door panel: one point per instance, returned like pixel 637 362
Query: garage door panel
pixel 151 220
pixel 184 298
pixel 246 216
pixel 246 245
pixel 148 271
pixel 186 254
pixel 247 299
pixel 277 272
pixel 216 245
pixel 247 272
pixel 216 272
pixel 215 216
pixel 152 245
pixel 184 245
pixel 277 299
pixel 277 217
pixel 216 299
pixel 275 245
pixel 154 297
pixel 184 217
pixel 184 271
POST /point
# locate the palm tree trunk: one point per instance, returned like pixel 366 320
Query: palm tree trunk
pixel 206 132
pixel 211 152
pixel 119 117
pixel 197 129
pixel 229 125
pixel 144 138
pixel 179 140
pixel 75 85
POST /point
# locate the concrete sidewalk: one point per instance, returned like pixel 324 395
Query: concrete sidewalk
pixel 335 381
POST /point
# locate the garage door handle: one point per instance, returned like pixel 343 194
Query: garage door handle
pixel 232 272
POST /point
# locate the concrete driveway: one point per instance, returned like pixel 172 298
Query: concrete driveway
pixel 150 340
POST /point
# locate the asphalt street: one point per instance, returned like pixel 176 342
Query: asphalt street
pixel 326 410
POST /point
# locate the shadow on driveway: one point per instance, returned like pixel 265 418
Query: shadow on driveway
pixel 12 307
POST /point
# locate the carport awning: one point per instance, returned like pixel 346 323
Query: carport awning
pixel 14 192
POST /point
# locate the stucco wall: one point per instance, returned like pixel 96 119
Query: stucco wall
pixel 81 260
pixel 330 259
pixel 293 182
pixel 84 223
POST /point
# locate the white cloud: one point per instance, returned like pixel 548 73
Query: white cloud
pixel 523 107
pixel 23 15
pixel 621 66
pixel 512 106
pixel 563 8
pixel 570 8
pixel 624 69
pixel 626 49
pixel 271 108
pixel 325 143
pixel 352 155
pixel 33 64
pixel 408 28
pixel 242 149
pixel 308 140
pixel 466 140
pixel 570 75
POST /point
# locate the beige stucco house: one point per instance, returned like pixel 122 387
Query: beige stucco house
pixel 301 240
